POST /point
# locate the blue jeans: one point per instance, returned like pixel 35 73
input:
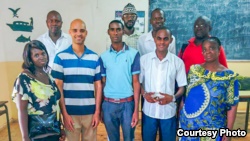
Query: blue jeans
pixel 167 128
pixel 116 115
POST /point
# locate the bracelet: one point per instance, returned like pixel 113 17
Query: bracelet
pixel 144 94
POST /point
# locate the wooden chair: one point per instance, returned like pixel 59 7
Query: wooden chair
pixel 5 111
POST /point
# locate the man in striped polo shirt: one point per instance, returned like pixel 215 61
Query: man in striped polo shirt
pixel 77 74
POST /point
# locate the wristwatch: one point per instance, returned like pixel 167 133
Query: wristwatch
pixel 173 100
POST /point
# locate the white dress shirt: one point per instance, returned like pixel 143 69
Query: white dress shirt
pixel 159 76
pixel 146 44
pixel 61 44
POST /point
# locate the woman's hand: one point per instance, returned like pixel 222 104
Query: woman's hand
pixel 224 138
pixel 26 139
pixel 23 117
pixel 62 136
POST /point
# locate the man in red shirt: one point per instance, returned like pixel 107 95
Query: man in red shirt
pixel 193 52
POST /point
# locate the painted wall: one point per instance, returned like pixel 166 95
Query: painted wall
pixel 243 69
pixel 96 13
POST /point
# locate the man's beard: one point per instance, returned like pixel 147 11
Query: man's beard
pixel 129 27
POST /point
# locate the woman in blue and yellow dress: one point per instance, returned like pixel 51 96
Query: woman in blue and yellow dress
pixel 35 93
pixel 212 95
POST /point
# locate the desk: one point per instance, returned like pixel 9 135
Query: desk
pixel 5 111
pixel 245 97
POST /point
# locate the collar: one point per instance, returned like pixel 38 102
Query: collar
pixel 166 58
pixel 125 47
pixel 86 50
pixel 135 33
pixel 62 34
pixel 149 36
pixel 191 40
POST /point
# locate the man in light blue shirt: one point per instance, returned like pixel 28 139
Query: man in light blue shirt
pixel 120 68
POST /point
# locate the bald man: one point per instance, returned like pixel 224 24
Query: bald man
pixel 54 39
pixel 77 74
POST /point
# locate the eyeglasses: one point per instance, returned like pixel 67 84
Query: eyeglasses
pixel 132 16
pixel 200 26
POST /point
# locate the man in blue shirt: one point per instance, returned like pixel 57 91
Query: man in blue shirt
pixel 78 77
pixel 120 68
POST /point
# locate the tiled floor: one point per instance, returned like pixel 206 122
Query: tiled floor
pixel 102 136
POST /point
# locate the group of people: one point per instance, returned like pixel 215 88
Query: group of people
pixel 61 74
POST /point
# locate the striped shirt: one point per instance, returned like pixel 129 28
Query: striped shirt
pixel 78 75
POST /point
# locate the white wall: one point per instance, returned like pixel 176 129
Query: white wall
pixel 96 13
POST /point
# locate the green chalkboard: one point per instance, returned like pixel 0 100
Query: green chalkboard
pixel 230 22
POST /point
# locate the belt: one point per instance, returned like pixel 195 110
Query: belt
pixel 119 100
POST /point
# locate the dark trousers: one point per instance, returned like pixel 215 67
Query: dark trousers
pixel 166 127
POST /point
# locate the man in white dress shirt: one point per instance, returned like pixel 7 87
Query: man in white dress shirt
pixel 159 70
pixel 54 39
pixel 146 42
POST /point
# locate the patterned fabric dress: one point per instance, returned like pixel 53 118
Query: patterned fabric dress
pixel 209 96
pixel 43 98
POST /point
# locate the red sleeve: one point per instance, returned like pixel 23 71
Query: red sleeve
pixel 222 57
